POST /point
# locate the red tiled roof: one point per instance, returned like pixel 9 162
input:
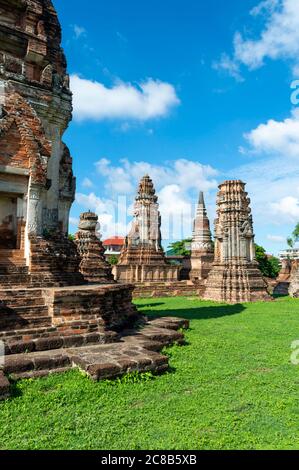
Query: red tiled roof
pixel 118 241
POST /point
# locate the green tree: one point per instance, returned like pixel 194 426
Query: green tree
pixel 71 237
pixel 113 260
pixel 296 233
pixel 290 242
pixel 181 248
pixel 269 266
pixel 294 238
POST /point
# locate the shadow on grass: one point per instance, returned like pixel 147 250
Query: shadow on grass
pixel 151 304
pixel 15 391
pixel 198 313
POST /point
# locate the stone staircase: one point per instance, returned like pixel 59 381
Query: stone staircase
pixel 12 262
pixel 23 308
pixel 137 349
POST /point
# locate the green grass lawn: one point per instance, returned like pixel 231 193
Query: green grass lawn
pixel 232 387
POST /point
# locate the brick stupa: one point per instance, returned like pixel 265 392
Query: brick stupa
pixel 59 307
pixel 235 276
pixel 202 248
pixel 93 265
pixel 142 258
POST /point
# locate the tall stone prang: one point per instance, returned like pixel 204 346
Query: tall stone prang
pixel 93 265
pixel 37 185
pixel 59 307
pixel 202 248
pixel 235 276
pixel 142 258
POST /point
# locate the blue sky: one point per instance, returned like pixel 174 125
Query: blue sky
pixel 192 92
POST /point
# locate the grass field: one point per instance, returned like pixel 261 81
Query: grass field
pixel 232 387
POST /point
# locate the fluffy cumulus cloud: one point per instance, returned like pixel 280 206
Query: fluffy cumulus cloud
pixel 273 184
pixel 277 137
pixel 177 183
pixel 288 208
pixel 111 212
pixel 278 39
pixel 147 100
pixel 187 174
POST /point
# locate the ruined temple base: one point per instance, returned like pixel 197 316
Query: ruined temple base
pixel 28 314
pixel 282 289
pixel 201 266
pixel 168 289
pixel 294 285
pixel 236 283
pixel 136 273
pixel 134 350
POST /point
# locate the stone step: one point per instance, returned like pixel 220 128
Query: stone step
pixel 25 335
pixel 12 270
pixel 14 280
pixel 4 386
pixel 21 365
pixel 15 322
pixel 13 254
pixel 11 303
pixel 49 339
pixel 12 261
pixel 136 351
pixel 111 361
pixel 23 312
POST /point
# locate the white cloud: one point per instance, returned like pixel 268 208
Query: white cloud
pixel 79 31
pixel 177 211
pixel 112 213
pixel 230 66
pixel 87 183
pixel 74 221
pixel 177 184
pixel 147 100
pixel 277 137
pixel 276 238
pixel 287 208
pixel 279 38
pixel 187 174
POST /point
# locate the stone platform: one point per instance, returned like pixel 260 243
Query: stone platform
pixel 30 314
pixel 168 289
pixel 136 349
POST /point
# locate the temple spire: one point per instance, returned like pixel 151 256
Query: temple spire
pixel 202 251
pixel 201 199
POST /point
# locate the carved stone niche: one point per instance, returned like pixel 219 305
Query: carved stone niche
pixel 36 51
pixel 47 76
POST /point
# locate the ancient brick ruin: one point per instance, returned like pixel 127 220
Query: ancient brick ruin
pixel 59 306
pixel 93 266
pixel 235 276
pixel 294 282
pixel 286 276
pixel 142 258
pixel 202 248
